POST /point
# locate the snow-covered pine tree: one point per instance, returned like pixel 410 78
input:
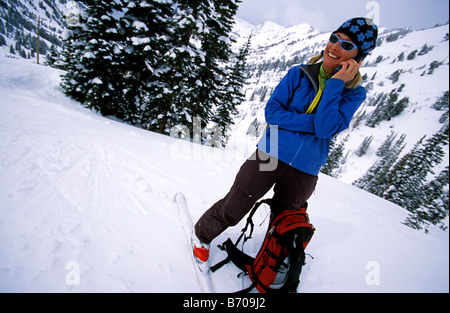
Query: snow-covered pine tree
pixel 52 58
pixel 335 157
pixel 2 40
pixel 169 92
pixel 73 81
pixel 390 104
pixel 93 76
pixel 387 109
pixel 214 76
pixel 193 75
pixel 146 30
pixel 362 149
pixel 386 145
pixel 435 206
pixel 378 114
pixel 436 194
pixel 375 180
pixel 401 181
pixel 102 67
pixel 399 107
pixel 389 158
pixel 442 105
pixel 232 95
pixel 396 75
pixel 410 174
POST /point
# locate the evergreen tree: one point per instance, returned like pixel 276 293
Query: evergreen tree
pixel 412 55
pixel 442 105
pixel 52 57
pixel 399 107
pixel 436 198
pixel 195 80
pixel 387 108
pixel 434 65
pixel 70 85
pixel 335 157
pixel 232 93
pixel 100 69
pixel 376 180
pixel 402 184
pixel 215 78
pixel 435 204
pixel 170 91
pixel 23 53
pixel 386 145
pixel 410 174
pixel 73 82
pixel 146 29
pixel 390 105
pixel 395 76
pixel 2 28
pixel 362 150
pixel 425 49
pixel 380 111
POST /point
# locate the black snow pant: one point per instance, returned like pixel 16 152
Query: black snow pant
pixel 292 190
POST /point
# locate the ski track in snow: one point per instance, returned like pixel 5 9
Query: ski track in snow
pixel 77 187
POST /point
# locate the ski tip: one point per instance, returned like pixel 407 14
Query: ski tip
pixel 179 196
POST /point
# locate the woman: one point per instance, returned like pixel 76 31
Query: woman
pixel 312 104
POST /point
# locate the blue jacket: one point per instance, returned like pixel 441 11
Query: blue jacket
pixel 302 140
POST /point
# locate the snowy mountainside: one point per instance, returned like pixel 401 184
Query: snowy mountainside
pixel 410 54
pixel 19 21
pixel 87 205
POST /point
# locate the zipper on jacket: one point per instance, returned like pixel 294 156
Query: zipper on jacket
pixel 308 70
pixel 300 146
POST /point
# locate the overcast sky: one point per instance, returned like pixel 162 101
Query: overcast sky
pixel 327 15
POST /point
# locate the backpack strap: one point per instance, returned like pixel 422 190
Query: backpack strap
pixel 239 258
pixel 250 221
pixel 297 257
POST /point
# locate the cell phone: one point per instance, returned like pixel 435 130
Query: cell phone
pixel 357 59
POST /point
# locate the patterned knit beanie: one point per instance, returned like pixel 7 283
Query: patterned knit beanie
pixel 363 32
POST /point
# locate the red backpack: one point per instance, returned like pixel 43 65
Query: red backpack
pixel 278 264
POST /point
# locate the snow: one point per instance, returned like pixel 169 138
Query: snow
pixel 140 25
pixel 97 81
pixel 87 205
pixel 139 41
pixel 225 40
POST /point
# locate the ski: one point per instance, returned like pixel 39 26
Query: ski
pixel 204 279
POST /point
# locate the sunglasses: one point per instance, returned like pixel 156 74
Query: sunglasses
pixel 346 45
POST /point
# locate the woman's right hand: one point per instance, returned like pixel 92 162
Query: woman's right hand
pixel 348 71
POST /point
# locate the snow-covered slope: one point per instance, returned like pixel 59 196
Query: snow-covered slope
pixel 87 205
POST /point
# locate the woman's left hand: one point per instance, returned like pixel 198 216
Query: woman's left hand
pixel 348 71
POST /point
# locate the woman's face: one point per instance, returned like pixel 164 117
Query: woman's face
pixel 334 54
